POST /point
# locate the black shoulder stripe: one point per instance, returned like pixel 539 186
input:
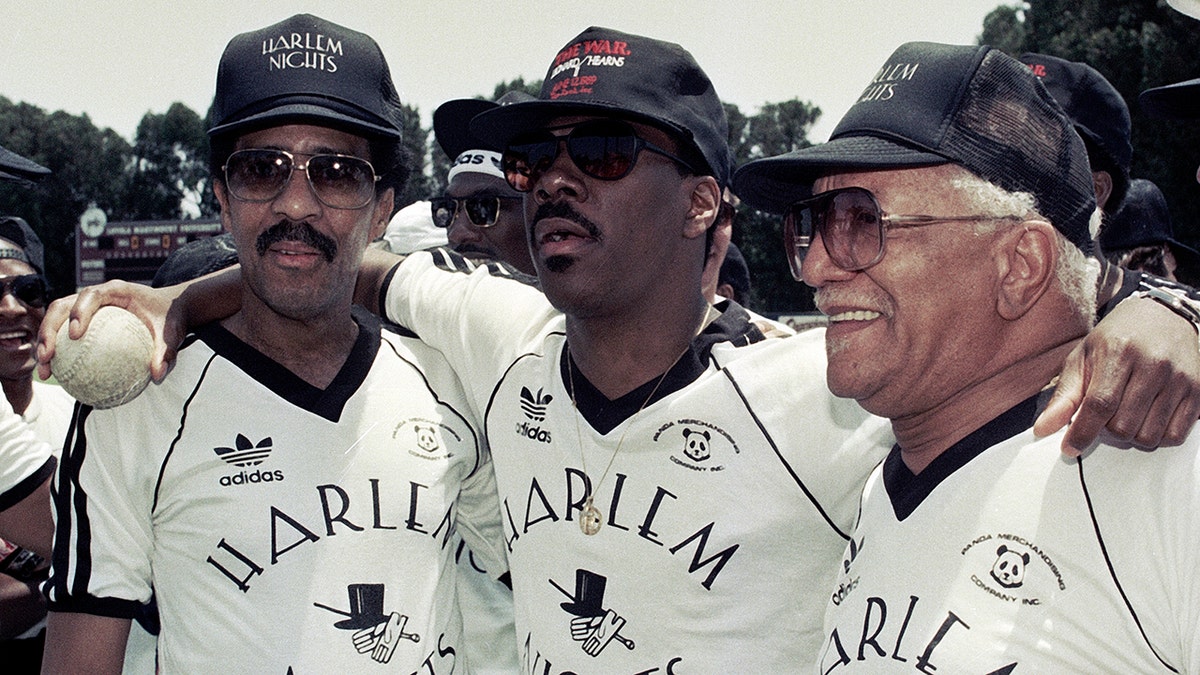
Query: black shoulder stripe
pixel 812 498
pixel 1112 572
pixel 183 415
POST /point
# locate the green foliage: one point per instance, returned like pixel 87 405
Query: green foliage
pixel 90 167
pixel 168 165
pixel 416 143
pixel 1136 45
pixel 776 128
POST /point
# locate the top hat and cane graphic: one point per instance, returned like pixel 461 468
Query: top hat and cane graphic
pixel 374 632
pixel 594 625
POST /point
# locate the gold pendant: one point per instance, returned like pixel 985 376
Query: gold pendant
pixel 589 519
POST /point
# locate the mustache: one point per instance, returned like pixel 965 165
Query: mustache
pixel 833 296
pixel 565 211
pixel 302 232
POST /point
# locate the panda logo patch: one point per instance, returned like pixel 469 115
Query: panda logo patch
pixel 695 444
pixel 426 438
pixel 1009 568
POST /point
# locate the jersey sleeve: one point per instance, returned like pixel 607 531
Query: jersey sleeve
pixel 478 317
pixel 479 519
pixel 1146 506
pixel 103 504
pixel 25 462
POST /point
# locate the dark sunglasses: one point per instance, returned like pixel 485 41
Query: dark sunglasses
pixel 852 227
pixel 30 289
pixel 338 181
pixel 604 149
pixel 481 211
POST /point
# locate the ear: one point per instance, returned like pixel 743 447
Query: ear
pixel 1026 260
pixel 1102 184
pixel 382 214
pixel 222 196
pixel 703 207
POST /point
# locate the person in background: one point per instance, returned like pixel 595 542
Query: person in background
pixel 1101 118
pixel 480 211
pixel 733 281
pixel 46 408
pixel 22 305
pixel 948 231
pixel 1139 236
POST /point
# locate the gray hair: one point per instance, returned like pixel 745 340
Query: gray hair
pixel 1077 273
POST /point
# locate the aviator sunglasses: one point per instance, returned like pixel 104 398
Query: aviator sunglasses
pixel 852 227
pixel 338 181
pixel 604 149
pixel 30 289
pixel 481 211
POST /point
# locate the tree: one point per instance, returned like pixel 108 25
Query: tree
pixel 1135 44
pixel 776 128
pixel 168 168
pixel 89 167
pixel 416 143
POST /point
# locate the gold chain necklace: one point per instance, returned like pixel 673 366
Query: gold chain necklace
pixel 590 518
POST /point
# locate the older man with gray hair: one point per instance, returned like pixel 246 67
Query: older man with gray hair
pixel 949 237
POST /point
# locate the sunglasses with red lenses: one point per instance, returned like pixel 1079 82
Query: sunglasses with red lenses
pixel 604 149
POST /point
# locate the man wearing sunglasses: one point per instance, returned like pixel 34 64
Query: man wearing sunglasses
pixel 950 238
pixel 481 213
pixel 698 491
pixel 34 423
pixel 46 408
pixel 290 492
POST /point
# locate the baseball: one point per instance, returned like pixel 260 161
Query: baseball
pixel 110 364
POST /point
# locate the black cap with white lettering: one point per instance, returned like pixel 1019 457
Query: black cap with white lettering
pixel 934 104
pixel 305 69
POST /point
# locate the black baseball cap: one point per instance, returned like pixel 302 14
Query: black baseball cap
pixel 16 168
pixel 17 231
pixel 1145 220
pixel 1179 101
pixel 932 104
pixel 606 72
pixel 195 259
pixel 451 122
pixel 305 69
pixel 1098 110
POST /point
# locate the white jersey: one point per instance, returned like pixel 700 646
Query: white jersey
pixel 25 461
pixel 284 528
pixel 1003 556
pixel 49 413
pixel 727 503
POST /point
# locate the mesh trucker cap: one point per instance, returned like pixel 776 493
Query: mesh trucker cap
pixel 305 69
pixel 16 168
pixel 1097 109
pixel 17 231
pixel 603 71
pixel 934 104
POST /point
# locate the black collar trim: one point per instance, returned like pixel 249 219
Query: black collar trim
pixel 327 403
pixel 732 325
pixel 907 491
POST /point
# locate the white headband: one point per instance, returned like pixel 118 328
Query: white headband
pixel 476 161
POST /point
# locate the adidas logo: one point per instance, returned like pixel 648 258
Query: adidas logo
pixel 245 453
pixel 533 406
